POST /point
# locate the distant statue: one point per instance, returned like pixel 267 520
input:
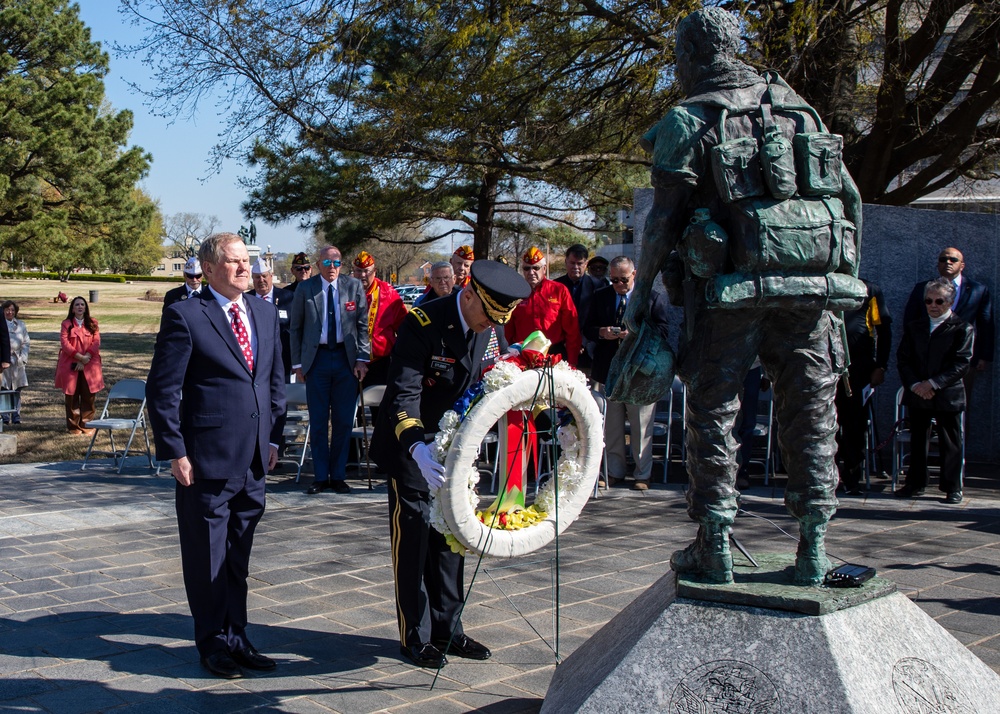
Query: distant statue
pixel 249 235
pixel 756 227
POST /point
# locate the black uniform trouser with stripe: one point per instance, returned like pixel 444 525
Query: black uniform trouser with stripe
pixel 429 576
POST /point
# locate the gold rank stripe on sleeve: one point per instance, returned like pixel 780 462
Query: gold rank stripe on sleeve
pixel 408 423
pixel 421 316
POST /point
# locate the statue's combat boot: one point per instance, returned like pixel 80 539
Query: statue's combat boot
pixel 811 564
pixel 708 558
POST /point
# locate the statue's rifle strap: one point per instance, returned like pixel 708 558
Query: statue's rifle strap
pixel 845 376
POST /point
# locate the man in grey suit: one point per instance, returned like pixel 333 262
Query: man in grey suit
pixel 330 353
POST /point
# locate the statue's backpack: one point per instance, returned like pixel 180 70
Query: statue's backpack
pixel 784 213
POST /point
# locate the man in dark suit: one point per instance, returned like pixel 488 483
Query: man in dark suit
pixel 330 353
pixel 264 288
pixel 581 288
pixel 191 286
pixel 441 349
pixel 218 354
pixel 972 304
pixel 604 326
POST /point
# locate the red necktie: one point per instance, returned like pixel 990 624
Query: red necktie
pixel 241 334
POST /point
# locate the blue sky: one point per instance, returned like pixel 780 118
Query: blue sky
pixel 180 177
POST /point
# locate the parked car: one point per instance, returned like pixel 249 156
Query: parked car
pixel 409 293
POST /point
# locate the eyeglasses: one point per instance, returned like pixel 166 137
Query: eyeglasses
pixel 934 301
pixel 326 263
pixel 621 281
pixel 302 268
pixel 196 276
pixel 445 279
pixel 533 268
pixel 948 259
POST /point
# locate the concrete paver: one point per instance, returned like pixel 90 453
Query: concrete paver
pixel 93 615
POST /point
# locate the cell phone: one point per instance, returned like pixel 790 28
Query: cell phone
pixel 849 576
pixel 616 330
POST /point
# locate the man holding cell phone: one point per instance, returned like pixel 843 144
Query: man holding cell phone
pixel 605 326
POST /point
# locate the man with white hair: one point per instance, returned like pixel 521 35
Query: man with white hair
pixel 605 326
pixel 442 283
pixel 461 263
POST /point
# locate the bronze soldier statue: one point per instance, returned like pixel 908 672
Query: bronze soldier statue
pixel 756 227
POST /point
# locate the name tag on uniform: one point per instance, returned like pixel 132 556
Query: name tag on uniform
pixel 350 306
pixel 282 314
pixel 442 363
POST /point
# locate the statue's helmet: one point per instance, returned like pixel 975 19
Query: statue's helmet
pixel 708 32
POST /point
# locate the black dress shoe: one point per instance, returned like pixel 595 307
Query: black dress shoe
pixel 340 486
pixel 907 492
pixel 250 658
pixel 318 487
pixel 465 646
pixel 221 664
pixel 854 492
pixel 424 654
pixel 954 497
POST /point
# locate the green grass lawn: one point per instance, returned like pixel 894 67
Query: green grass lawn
pixel 128 323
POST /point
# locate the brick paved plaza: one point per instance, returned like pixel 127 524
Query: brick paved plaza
pixel 93 616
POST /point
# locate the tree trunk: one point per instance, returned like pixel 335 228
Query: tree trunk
pixel 485 210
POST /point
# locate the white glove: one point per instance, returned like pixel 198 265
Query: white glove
pixel 431 470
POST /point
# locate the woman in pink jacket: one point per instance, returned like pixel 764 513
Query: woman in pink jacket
pixel 78 371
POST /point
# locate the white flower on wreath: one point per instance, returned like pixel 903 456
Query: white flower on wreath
pixel 564 366
pixel 502 375
pixel 447 426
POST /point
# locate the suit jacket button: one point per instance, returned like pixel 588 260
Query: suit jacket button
pixel 254 415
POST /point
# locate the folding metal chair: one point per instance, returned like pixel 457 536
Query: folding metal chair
pixel 296 431
pixel 361 433
pixel 122 398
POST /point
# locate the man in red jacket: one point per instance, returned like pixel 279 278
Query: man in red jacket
pixel 461 262
pixel 385 314
pixel 549 309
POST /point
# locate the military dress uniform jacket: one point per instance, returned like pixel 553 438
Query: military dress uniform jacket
pixel 431 367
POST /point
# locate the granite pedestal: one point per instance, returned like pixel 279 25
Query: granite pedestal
pixel 870 651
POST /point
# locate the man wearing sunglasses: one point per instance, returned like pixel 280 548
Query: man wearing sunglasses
pixel 549 309
pixel 933 356
pixel 191 286
pixel 972 304
pixel 606 327
pixel 301 271
pixel 330 353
